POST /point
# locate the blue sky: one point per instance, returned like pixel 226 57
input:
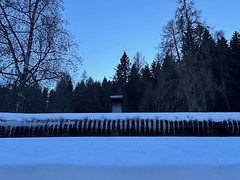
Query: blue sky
pixel 104 29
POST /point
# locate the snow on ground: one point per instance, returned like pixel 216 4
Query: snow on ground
pixel 118 158
pixel 99 116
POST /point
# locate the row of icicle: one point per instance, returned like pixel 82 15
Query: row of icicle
pixel 140 126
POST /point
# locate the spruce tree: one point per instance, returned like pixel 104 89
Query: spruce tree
pixel 235 71
pixel 80 98
pixel 64 95
pixel 133 90
pixel 106 92
pixel 122 72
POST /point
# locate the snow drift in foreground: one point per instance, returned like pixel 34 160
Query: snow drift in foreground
pixel 120 173
pixel 121 116
pixel 120 158
pixel 118 151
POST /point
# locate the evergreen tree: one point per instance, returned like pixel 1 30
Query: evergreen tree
pixel 146 104
pixel 133 90
pixel 167 86
pixel 64 95
pixel 223 75
pixel 80 98
pixel 122 72
pixel 235 71
pixel 207 61
pixel 93 95
pixel 106 92
pixel 52 103
pixel 6 104
pixel 32 99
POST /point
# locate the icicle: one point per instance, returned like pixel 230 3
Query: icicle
pixel 5 130
pixel 183 126
pixel 47 129
pixel 101 125
pixel 159 126
pixel 125 125
pixel 149 126
pixel 139 126
pixel 63 124
pixel 14 129
pixel 33 129
pixel 92 124
pixel 207 124
pixel 39 127
pixel 135 125
pixel 108 122
pixel 178 125
pixel 56 129
pixel 237 126
pixel 154 126
pixel 121 127
pixel 10 131
pixel 82 125
pixel 173 127
pixel 192 125
pixel 227 124
pixel 106 125
pixel 232 126
pixel 203 127
pixel 78 125
pixel 68 127
pixel 168 127
pixel 116 124
pixel 87 124
pixel 164 126
pixel 113 123
pixel 130 125
pixel 145 124
pixel 109 125
pixel 198 126
pixel 96 125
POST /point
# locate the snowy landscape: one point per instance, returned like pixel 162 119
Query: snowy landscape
pixel 103 158
pixel 65 65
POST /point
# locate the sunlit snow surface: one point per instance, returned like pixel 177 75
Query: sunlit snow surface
pixel 120 158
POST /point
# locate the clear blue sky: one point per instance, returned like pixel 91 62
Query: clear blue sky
pixel 105 28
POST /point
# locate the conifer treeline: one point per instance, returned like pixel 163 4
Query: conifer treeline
pixel 194 72
pixel 155 88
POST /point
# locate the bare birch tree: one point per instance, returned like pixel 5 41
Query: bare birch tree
pixel 35 46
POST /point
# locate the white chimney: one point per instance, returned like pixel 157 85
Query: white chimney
pixel 117 101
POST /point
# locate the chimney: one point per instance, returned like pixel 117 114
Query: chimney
pixel 117 101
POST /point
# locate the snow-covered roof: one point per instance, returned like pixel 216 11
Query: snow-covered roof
pixel 116 97
pixel 217 117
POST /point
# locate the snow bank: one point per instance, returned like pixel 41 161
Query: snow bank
pixel 120 158
pixel 55 172
pixel 120 151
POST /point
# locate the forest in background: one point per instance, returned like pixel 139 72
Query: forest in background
pixel 194 71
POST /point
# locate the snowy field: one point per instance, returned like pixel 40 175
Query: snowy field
pixel 120 158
